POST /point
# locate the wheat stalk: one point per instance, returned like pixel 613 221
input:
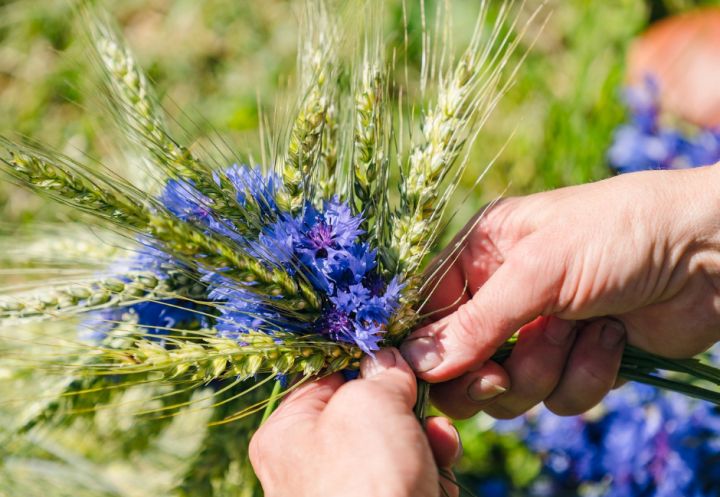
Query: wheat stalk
pixel 314 130
pixel 106 293
pixel 62 180
pixel 369 152
pixel 138 113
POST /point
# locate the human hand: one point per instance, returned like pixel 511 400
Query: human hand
pixel 642 249
pixel 361 438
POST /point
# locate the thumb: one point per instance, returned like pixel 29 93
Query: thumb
pixel 295 417
pixel 309 400
pixel 524 287
pixel 388 375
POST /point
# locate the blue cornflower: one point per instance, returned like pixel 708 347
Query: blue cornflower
pixel 323 245
pixel 646 143
pixel 251 182
pixel 183 200
pixel 153 318
pixel 633 149
pixel 167 316
pixel 646 442
pixel 332 228
pixel 643 102
pixel 328 245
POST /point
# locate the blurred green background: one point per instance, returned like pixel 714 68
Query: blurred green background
pixel 216 62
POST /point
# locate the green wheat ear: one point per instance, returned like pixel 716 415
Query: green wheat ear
pixel 119 204
pixel 370 148
pixel 312 150
pixel 466 97
pixel 104 293
pixel 137 112
pixel 220 358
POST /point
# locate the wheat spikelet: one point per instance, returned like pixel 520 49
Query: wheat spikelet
pixel 218 358
pixel 138 113
pixel 466 98
pixel 369 154
pixel 313 132
pixel 62 180
pixel 71 299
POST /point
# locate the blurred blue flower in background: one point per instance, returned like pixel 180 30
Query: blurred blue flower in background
pixel 642 442
pixel 646 142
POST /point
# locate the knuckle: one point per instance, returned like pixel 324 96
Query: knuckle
pixel 467 327
pixel 453 402
pixel 531 254
pixel 540 262
pixel 460 410
pixel 595 377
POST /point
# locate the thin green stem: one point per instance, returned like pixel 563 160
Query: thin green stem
pixel 272 401
pixel 423 400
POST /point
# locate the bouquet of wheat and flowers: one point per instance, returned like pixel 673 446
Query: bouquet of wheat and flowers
pixel 228 282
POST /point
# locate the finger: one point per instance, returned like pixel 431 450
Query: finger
pixel 463 266
pixel 524 287
pixel 448 293
pixel 535 366
pixel 591 370
pixel 386 376
pixel 310 399
pixel 295 417
pixel 444 441
pixel 465 396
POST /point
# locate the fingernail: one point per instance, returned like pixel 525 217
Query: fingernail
pixel 612 335
pixel 558 331
pixel 483 389
pixel 421 353
pixel 372 366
